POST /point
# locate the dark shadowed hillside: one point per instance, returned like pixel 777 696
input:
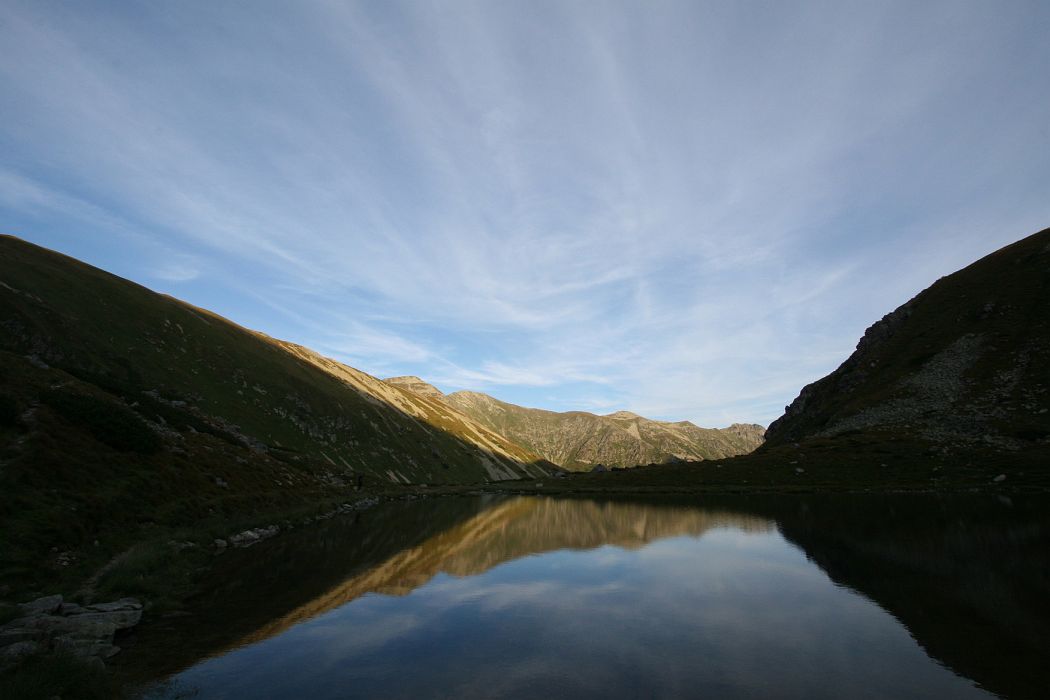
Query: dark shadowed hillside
pixel 964 364
pixel 951 390
pixel 122 408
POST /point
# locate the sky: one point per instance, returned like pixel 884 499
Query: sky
pixel 687 210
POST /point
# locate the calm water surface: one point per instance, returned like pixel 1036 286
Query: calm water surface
pixel 911 597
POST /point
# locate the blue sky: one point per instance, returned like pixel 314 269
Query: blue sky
pixel 688 210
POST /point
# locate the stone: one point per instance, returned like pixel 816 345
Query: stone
pixel 119 619
pixel 999 479
pixel 250 537
pixel 122 604
pixel 244 539
pixel 14 653
pixel 16 635
pixel 84 648
pixel 80 626
pixel 68 609
pixel 42 606
pixel 220 544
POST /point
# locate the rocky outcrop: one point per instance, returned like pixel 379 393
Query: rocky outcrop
pixel 965 363
pixel 416 386
pixel 253 536
pixel 50 624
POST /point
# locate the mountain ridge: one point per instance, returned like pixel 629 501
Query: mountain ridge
pixel 579 440
pixel 964 363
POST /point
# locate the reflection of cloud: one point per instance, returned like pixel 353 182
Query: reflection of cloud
pixel 330 634
pixel 495 596
pixel 517 528
pixel 734 613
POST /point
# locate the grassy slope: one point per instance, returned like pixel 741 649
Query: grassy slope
pixel 578 440
pixel 965 363
pixel 123 411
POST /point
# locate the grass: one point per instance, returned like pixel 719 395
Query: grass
pixel 863 462
pixel 125 413
pixel 58 675
pixel 117 337
pixel 110 422
pixel 70 502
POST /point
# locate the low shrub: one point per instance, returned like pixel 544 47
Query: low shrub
pixel 111 423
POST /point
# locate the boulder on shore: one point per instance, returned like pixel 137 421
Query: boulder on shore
pixel 49 624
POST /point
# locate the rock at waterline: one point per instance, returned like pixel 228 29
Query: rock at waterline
pixel 46 605
pixel 49 624
pixel 250 537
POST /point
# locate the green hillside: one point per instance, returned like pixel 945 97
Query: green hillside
pixel 122 408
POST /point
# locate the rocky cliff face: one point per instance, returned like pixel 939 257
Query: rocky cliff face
pixel 965 363
pixel 416 386
pixel 579 441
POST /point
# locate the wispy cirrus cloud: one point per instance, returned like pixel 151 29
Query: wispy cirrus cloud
pixel 688 210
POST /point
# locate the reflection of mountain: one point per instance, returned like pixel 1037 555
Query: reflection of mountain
pixel 392 549
pixel 968 576
pixel 511 530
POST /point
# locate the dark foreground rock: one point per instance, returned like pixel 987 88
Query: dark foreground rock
pixel 51 625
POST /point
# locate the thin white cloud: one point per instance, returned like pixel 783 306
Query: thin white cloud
pixel 684 210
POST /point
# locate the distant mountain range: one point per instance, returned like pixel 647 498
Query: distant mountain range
pixel 579 441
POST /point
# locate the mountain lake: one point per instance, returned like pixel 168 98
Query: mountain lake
pixel 810 596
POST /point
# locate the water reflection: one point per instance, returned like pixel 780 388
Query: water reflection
pixel 532 596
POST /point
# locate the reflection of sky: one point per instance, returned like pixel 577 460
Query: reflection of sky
pixel 726 615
